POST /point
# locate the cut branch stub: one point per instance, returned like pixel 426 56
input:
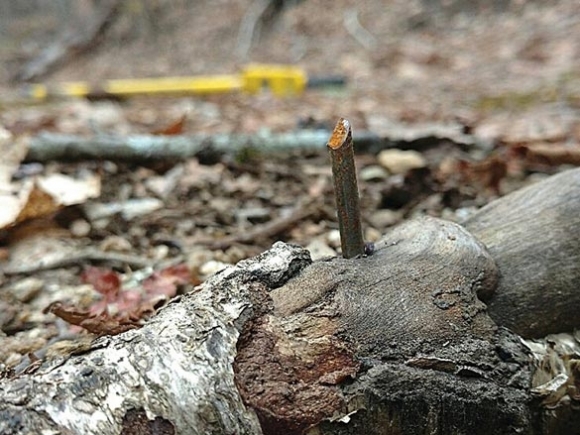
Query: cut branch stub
pixel 346 189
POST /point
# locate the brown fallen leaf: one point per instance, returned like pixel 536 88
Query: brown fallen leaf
pixel 138 302
pixel 99 324
pixel 487 173
pixel 548 154
pixel 172 129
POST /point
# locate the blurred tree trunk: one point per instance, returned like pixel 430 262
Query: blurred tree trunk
pixel 85 33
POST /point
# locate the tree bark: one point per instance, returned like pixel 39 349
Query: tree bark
pixel 534 237
pixel 398 342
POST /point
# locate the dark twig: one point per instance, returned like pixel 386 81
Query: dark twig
pixel 346 189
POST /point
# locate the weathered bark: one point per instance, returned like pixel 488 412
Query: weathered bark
pixel 397 342
pixel 534 237
pixel 178 368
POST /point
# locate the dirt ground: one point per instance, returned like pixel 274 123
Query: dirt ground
pixel 503 74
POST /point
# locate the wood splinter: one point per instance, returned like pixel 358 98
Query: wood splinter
pixel 341 149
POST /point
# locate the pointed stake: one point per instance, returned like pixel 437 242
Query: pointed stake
pixel 346 189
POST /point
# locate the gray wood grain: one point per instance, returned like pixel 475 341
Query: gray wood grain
pixel 533 235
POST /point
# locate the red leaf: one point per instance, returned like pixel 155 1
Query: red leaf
pixel 105 281
pixel 165 281
pixel 130 301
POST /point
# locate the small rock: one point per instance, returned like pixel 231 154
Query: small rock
pixel 160 252
pixel 333 238
pixel 80 228
pixel 319 249
pixel 399 161
pixel 385 218
pixel 26 289
pixel 372 235
pixel 212 267
pixel 231 255
pixel 12 359
pixel 198 257
pixel 115 244
pixel 373 173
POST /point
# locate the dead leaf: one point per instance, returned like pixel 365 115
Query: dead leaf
pixel 36 196
pixel 549 154
pixel 137 302
pixel 487 173
pixel 165 281
pixel 44 195
pixel 105 281
pixel 35 203
pixel 66 190
pixel 172 129
pixel 99 324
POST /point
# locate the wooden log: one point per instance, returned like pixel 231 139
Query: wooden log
pixel 413 302
pixel 175 373
pixel 534 237
pixel 396 342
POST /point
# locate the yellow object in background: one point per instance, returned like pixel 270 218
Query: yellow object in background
pixel 170 85
pixel 281 80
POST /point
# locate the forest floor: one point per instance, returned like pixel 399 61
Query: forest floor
pixel 471 101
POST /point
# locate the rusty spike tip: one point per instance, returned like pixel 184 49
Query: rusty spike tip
pixel 339 134
pixel 346 190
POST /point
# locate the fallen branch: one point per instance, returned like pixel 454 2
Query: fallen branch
pixel 533 235
pixel 50 146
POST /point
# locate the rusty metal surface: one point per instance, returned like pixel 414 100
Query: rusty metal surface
pixel 341 149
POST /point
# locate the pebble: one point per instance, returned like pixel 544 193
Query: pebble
pixel 385 218
pixel 372 235
pixel 212 267
pixel 115 244
pixel 198 257
pixel 26 289
pixel 400 161
pixel 333 238
pixel 373 173
pixel 319 249
pixel 80 228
